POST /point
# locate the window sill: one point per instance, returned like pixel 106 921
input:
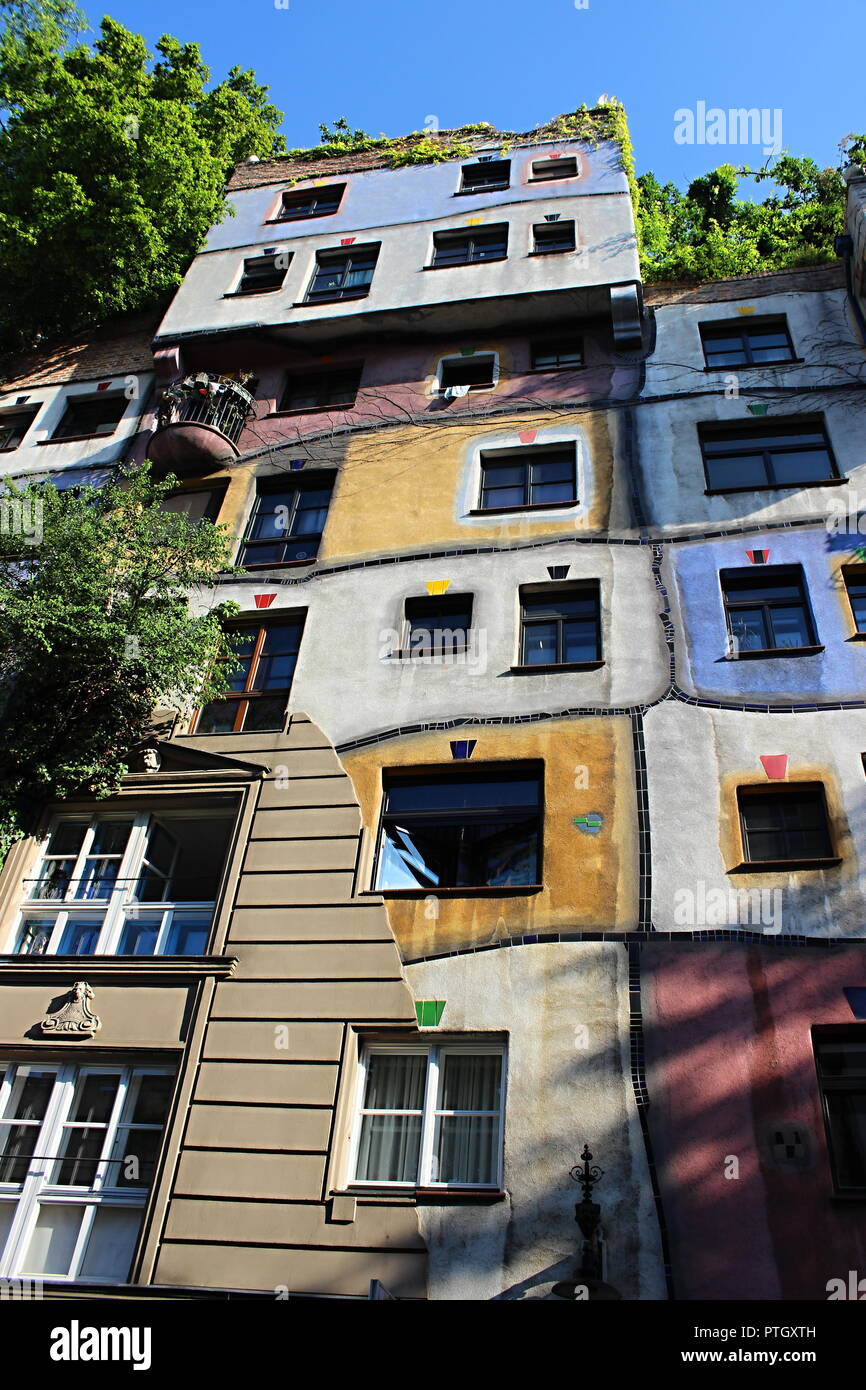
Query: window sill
pixel 754 366
pixel 775 866
pixel 308 410
pixel 298 217
pixel 555 666
pixel 441 393
pixel 774 487
pixel 514 890
pixel 560 178
pixel 276 565
pixel 331 299
pixel 246 294
pixel 488 188
pixel 76 438
pixel 441 1195
pixel 557 251
pixel 527 507
pixel 141 967
pixel 458 265
pixel 763 653
pixel 857 637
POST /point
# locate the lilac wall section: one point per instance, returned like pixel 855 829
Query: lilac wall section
pixel 729 1051
pixel 397 379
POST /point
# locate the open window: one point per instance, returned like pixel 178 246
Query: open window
pixel 14 425
pixel 135 884
pixel 91 415
pixel 259 691
pixel 485 176
pixel 461 828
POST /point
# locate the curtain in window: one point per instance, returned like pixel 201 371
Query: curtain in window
pixel 467 1146
pixel 389 1145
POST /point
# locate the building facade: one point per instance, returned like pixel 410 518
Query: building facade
pixel 532 818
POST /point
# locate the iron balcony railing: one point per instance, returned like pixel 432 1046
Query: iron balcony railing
pixel 223 404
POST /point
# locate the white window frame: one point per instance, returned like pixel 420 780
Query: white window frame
pixel 120 904
pixel 435 1053
pixel 36 1191
pixel 436 387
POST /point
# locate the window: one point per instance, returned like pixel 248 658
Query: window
pixel 486 175
pixel 840 1056
pixel 90 415
pixel 560 624
pixel 260 690
pixel 855 583
pixel 14 425
pixel 196 504
pixel 78 1152
pixel 311 202
pixel 133 885
pixel 287 523
pixel 546 169
pixel 463 247
pixel 343 274
pixel 263 273
pixel 431 1116
pixel 322 390
pixel 476 372
pixel 739 343
pixel 784 825
pixel 553 236
pixel 768 610
pixel 543 476
pixel 437 626
pixel 556 353
pixel 456 829
pixel 771 455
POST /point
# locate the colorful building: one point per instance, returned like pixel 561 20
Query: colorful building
pixel 533 820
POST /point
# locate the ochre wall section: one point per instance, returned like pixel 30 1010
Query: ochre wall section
pixel 590 881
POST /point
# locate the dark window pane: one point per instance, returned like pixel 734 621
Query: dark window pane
pixel 540 644
pixel 425 794
pixel 80 937
pixel 217 717
pixel 138 937
pixel 744 470
pixel 785 826
pixel 98 416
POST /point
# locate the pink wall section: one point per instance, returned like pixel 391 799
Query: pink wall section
pixel 729 1050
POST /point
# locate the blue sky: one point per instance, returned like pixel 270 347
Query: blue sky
pixel 388 65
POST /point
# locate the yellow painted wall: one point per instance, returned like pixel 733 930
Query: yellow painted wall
pixel 400 489
pixel 590 881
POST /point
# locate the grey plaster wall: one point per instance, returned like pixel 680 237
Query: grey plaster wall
pixel 565 1010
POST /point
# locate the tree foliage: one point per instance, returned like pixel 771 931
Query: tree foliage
pixel 710 231
pixel 112 166
pixel 95 632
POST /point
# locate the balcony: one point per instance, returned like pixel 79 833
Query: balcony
pixel 199 421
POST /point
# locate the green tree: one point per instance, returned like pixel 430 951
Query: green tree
pixel 710 232
pixel 96 632
pixel 112 167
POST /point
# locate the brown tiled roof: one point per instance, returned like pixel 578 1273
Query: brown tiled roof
pixel 114 348
pixel 809 277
